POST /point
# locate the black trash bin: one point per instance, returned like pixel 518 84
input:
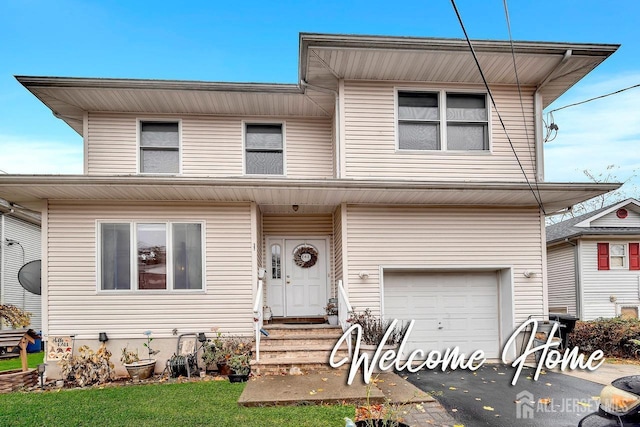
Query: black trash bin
pixel 567 325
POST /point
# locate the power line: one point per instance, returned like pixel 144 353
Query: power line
pixel 524 116
pixel 597 97
pixel 493 102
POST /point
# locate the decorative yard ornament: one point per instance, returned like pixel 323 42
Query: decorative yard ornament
pixel 305 256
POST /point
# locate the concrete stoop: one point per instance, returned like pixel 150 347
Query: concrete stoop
pixel 296 349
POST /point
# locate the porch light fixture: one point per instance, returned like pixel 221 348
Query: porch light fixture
pixel 528 274
pixel 295 208
pixel 102 337
pixel 364 275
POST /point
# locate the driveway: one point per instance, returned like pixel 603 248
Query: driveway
pixel 487 398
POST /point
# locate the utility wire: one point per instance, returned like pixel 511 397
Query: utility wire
pixel 524 116
pixel 597 97
pixel 493 102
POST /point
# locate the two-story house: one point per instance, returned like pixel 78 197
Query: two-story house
pixel 383 177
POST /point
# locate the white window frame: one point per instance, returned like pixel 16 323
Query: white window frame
pixel 139 121
pixel 133 242
pixel 625 257
pixel 282 123
pixel 442 116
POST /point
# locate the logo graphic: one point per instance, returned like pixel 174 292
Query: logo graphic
pixel 524 405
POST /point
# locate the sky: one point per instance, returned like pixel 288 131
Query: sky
pixel 253 41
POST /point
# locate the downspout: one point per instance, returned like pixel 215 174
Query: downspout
pixel 2 255
pixel 576 274
pixel 336 115
pixel 537 108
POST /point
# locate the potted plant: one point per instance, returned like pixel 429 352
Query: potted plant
pixel 373 332
pixel 240 365
pixel 222 349
pixel 136 368
pixel 332 313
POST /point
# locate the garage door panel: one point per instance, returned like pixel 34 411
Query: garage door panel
pixel 450 309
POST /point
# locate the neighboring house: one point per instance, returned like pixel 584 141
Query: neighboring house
pixel 594 263
pixel 385 169
pixel 20 239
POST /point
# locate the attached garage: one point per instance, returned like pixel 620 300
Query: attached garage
pixel 467 309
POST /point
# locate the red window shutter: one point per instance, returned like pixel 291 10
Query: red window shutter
pixel 603 256
pixel 634 256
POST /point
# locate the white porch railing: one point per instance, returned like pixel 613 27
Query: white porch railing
pixel 257 318
pixel 344 307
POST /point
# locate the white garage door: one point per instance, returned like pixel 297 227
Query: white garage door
pixel 450 309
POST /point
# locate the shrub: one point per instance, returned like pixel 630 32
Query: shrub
pixel 374 328
pixel 616 337
pixel 14 316
pixel 89 367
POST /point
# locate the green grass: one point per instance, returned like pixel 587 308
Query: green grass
pixel 34 359
pixel 207 403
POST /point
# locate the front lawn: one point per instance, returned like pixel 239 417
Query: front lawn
pixel 206 403
pixel 34 359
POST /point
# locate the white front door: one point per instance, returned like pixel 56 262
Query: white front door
pixel 297 277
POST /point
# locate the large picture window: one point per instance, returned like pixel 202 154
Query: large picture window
pixel 437 121
pixel 151 256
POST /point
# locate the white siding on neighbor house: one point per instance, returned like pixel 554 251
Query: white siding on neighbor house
pixel 77 307
pixel 445 237
pixel 599 285
pixel 210 145
pixel 370 141
pixel 299 226
pixel 611 220
pixel 28 235
pixel 561 272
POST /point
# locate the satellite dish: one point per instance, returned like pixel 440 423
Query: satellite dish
pixel 29 277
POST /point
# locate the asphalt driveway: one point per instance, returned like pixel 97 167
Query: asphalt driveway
pixel 487 398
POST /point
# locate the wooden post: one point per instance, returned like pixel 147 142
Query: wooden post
pixel 26 339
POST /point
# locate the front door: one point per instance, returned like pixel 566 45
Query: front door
pixel 297 277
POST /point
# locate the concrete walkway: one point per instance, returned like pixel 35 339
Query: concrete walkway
pixel 416 407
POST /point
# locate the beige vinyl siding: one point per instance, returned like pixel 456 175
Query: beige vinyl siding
pixel 210 146
pixel 561 273
pixel 77 307
pixel 299 226
pixel 337 248
pixel 370 140
pixel 445 237
pixel 28 235
pixel 599 285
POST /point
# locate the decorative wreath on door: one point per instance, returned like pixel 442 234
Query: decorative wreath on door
pixel 305 256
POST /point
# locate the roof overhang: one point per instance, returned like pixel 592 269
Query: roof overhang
pixel 27 189
pixel 550 67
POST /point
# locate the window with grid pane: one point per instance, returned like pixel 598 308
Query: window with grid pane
pixel 467 122
pixel 264 149
pixel 159 147
pixel 418 121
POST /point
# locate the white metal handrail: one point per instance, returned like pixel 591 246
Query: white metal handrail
pixel 257 318
pixel 344 307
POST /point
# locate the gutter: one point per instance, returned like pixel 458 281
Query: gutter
pixel 537 108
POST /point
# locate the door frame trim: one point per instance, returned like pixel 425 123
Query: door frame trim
pixel 283 238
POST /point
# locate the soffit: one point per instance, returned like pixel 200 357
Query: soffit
pixel 327 58
pixel 287 192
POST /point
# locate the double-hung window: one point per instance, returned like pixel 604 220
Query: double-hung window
pixel 442 121
pixel 151 256
pixel 159 147
pixel 264 149
pixel 618 256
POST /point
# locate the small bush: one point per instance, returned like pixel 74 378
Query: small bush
pixel 616 337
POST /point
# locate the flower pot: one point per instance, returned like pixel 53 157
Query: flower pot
pixel 224 369
pixel 333 319
pixel 238 378
pixel 142 369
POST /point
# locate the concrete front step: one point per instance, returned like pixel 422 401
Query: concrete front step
pixel 290 367
pixel 321 356
pixel 298 340
pixel 283 330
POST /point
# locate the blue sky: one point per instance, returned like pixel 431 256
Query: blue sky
pixel 258 42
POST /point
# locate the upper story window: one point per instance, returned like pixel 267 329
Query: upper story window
pixel 150 256
pixel 264 149
pixel 159 147
pixel 437 121
pixel 618 256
